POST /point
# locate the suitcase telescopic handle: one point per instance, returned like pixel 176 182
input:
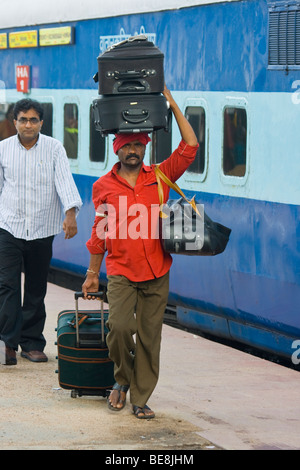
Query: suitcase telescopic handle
pixel 98 294
pixel 131 39
pixel 78 295
pixel 130 74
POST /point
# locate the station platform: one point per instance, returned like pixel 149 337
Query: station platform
pixel 209 397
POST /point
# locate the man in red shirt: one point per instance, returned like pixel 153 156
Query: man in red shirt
pixel 126 226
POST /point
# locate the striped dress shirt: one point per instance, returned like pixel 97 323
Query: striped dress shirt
pixel 36 188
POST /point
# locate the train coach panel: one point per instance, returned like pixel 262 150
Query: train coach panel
pixel 234 69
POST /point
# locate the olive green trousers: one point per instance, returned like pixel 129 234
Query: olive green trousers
pixel 136 311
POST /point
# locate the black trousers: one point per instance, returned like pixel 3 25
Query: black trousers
pixel 23 323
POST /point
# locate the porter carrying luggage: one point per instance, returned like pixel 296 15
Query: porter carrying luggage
pixel 131 66
pixel 131 113
pixel 83 363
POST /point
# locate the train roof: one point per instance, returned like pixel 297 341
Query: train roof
pixel 16 13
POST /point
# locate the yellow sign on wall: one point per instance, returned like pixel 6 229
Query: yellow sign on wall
pixel 56 36
pixel 3 41
pixel 23 39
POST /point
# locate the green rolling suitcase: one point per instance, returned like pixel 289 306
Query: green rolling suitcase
pixel 84 366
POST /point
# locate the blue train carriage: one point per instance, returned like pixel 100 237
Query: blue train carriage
pixel 233 68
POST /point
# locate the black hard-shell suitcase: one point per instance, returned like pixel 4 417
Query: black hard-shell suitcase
pixel 84 366
pixel 135 65
pixel 131 113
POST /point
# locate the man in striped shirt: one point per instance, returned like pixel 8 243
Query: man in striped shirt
pixel 38 197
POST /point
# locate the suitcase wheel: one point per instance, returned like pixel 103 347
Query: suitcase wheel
pixel 79 393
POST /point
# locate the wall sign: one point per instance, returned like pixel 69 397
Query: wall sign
pixel 23 39
pixel 59 36
pixel 3 41
pixel 56 36
pixel 23 78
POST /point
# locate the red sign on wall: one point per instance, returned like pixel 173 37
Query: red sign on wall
pixel 23 78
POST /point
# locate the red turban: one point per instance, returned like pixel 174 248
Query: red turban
pixel 122 139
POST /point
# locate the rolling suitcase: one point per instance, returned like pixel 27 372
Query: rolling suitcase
pixel 131 113
pixel 131 66
pixel 84 366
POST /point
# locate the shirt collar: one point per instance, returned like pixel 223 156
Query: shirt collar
pixel 20 143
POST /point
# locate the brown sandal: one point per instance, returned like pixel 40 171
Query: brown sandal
pixel 137 411
pixel 119 388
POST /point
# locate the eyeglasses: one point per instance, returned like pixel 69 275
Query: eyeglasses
pixel 32 120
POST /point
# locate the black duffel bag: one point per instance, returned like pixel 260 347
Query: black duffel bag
pixel 185 228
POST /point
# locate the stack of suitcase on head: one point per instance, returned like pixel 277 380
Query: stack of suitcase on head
pixel 131 80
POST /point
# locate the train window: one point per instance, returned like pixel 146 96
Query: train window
pixel 7 127
pixel 196 117
pixel 97 142
pixel 234 141
pixel 47 128
pixel 71 129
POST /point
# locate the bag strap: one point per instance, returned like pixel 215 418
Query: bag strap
pixel 160 175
